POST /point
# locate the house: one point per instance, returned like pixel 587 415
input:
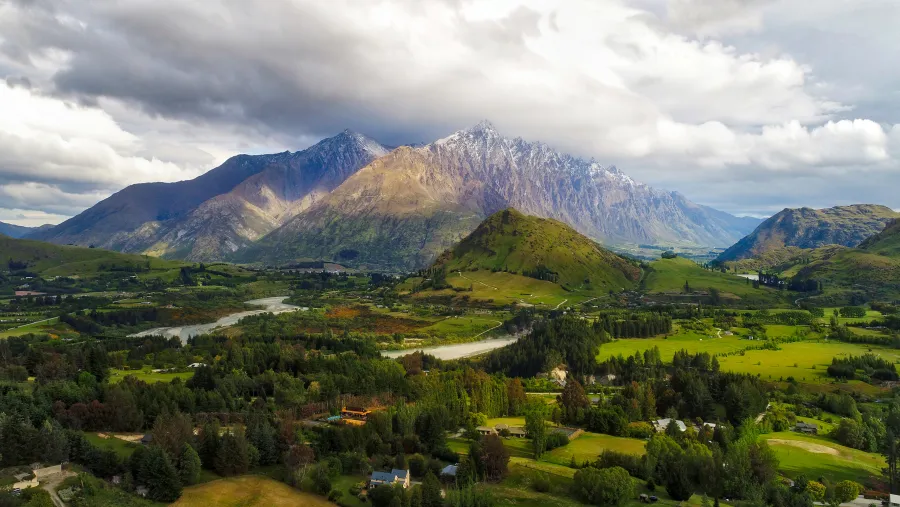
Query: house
pixel 808 428
pixel 501 427
pixel 660 425
pixel 607 379
pixel 486 430
pixel 449 470
pixel 355 416
pixel 395 476
pixel 516 431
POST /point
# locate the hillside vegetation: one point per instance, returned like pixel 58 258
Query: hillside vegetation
pixel 670 275
pixel 56 260
pixel 539 248
pixel 809 228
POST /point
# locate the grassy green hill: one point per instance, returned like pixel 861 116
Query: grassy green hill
pixel 886 242
pixel 539 248
pixel 668 276
pixel 54 260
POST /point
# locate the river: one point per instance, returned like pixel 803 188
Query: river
pixel 457 350
pixel 270 305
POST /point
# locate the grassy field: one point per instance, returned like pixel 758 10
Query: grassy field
pixel 817 456
pixel 41 326
pixel 147 375
pixel 464 325
pixel 507 288
pixel 811 359
pixel 121 447
pixel 588 447
pixel 669 276
pixel 247 491
pixel 686 339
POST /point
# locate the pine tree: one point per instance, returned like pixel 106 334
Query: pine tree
pixel 233 456
pixel 189 466
pixel 208 444
pixel 431 491
pixel 160 477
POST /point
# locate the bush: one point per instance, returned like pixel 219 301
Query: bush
pixel 608 487
pixel 541 483
pixel 632 463
pixel 335 495
pixel 555 440
pixel 639 430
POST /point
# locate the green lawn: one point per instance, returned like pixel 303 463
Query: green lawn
pixel 121 447
pixel 816 456
pixel 147 375
pixel 588 447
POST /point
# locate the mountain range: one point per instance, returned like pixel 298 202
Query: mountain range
pixel 14 231
pixel 811 228
pixel 353 200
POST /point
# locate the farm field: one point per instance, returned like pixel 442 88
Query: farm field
pixel 247 491
pixel 147 375
pixel 816 456
pixel 669 275
pixel 588 447
pixel 778 364
pixel 684 339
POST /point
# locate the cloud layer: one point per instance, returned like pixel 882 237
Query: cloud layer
pixel 732 102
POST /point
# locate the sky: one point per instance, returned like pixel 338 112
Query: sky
pixel 749 106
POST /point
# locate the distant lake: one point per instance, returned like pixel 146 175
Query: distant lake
pixel 458 350
pixel 750 277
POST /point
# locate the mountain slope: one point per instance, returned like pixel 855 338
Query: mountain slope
pixel 14 231
pixel 810 228
pixel 541 248
pixel 223 210
pixel 886 242
pixel 58 260
pixel 402 210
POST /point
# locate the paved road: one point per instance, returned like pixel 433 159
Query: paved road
pixel 31 323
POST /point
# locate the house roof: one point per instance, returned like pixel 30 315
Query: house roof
pixel 400 474
pixel 485 428
pixel 664 423
pixel 449 470
pixel 383 476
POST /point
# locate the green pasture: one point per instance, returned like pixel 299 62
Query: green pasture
pixel 147 375
pixel 816 456
pixel 121 447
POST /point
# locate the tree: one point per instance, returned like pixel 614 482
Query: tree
pixel 574 402
pixel 515 394
pixel 846 491
pixel 159 475
pixel 188 466
pixel 172 432
pixel 208 443
pixel 233 456
pixel 494 458
pixel 536 428
pixel 816 491
pixel 431 491
pixel 606 487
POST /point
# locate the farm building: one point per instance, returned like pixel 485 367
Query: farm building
pixel 808 428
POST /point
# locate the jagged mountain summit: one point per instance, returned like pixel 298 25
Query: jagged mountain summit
pixel 405 208
pixel 810 228
pixel 225 209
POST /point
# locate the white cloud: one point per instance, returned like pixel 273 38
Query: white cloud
pixel 680 93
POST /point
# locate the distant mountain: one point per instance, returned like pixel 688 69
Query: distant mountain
pixel 222 211
pixel 886 242
pixel 14 231
pixel 405 208
pixel 541 248
pixel 810 228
